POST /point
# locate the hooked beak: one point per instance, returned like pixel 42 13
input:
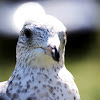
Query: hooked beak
pixel 55 54
pixel 52 51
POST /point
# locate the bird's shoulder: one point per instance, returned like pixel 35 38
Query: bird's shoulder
pixel 3 87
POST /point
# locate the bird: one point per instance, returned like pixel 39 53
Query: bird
pixel 40 72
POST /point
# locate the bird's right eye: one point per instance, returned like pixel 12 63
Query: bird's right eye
pixel 27 33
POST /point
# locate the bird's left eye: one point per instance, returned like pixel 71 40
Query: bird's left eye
pixel 27 33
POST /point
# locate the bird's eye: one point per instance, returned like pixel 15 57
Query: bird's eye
pixel 27 33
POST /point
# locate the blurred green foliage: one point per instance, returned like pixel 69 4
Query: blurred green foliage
pixel 86 71
pixel 87 77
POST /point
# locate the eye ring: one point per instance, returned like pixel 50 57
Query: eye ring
pixel 27 33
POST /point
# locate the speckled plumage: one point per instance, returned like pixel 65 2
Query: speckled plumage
pixel 39 74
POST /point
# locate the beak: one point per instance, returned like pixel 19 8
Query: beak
pixel 52 51
pixel 55 54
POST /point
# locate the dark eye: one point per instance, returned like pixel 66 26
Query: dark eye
pixel 27 33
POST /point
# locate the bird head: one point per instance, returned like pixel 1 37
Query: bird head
pixel 42 42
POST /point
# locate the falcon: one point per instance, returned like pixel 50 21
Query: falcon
pixel 40 72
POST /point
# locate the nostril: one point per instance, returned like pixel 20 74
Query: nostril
pixel 51 47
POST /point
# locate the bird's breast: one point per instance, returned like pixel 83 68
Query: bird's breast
pixel 42 84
